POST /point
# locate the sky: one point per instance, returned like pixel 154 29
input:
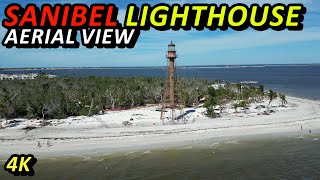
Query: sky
pixel 193 47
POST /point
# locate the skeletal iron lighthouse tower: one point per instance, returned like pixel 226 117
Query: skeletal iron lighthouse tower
pixel 169 97
pixel 171 56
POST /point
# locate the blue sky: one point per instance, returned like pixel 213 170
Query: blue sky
pixel 194 47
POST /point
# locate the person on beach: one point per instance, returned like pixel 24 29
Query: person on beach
pixel 309 131
pixel 301 127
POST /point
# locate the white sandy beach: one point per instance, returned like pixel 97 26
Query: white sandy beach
pixel 105 134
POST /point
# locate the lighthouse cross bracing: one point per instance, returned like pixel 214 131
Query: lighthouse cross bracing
pixel 171 99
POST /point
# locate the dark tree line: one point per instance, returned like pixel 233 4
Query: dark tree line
pixel 62 97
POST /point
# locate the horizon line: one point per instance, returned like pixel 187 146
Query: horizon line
pixel 217 65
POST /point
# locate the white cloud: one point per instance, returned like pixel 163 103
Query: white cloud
pixel 248 39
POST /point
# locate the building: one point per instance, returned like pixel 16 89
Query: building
pixel 22 76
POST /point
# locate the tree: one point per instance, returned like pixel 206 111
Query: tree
pixel 49 109
pixel 210 102
pixel 239 88
pixel 210 112
pixel 283 100
pixel 61 97
pixel 112 95
pixel 260 92
pixel 219 97
pixel 244 105
pixel 91 104
pixel 272 95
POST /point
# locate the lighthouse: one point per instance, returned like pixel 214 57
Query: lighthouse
pixel 170 93
pixel 171 56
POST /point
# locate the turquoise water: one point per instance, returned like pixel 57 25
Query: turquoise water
pixel 272 158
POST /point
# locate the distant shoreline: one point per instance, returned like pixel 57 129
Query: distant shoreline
pixel 143 67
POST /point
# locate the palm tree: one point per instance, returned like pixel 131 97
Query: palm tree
pixel 283 99
pixel 261 92
pixel 261 88
pixel 272 95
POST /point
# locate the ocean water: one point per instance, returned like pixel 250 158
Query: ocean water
pixel 294 157
pixel 296 80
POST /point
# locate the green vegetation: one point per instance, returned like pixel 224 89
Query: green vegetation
pixel 238 94
pixel 283 100
pixel 272 96
pixel 220 97
pixel 63 97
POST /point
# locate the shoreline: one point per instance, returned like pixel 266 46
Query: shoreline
pixel 95 135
